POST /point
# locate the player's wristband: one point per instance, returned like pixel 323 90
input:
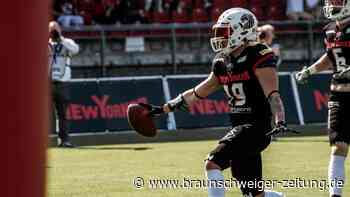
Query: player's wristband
pixel 271 93
pixel 196 95
pixel 178 103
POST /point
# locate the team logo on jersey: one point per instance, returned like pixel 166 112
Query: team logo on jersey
pixel 242 59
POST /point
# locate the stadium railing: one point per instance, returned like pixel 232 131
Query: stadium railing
pixel 105 47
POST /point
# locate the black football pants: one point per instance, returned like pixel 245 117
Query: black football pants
pixel 59 104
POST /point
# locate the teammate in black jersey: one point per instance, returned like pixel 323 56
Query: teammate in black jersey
pixel 337 58
pixel 246 70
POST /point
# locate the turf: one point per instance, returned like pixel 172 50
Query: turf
pixel 101 171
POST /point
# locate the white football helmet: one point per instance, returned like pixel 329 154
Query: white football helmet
pixel 235 27
pixel 336 9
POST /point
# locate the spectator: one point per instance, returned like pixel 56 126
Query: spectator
pixel 315 8
pixel 68 16
pixel 158 5
pixel 86 9
pixel 131 12
pixel 296 10
pixel 60 51
pixel 266 36
pixel 113 12
pixel 99 13
pixel 56 9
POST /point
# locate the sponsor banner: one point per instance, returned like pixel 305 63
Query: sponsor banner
pixel 84 112
pixel 287 96
pixel 210 112
pixel 314 97
pixel 134 91
pixel 96 106
pixel 102 106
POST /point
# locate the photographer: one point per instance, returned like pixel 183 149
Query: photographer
pixel 60 51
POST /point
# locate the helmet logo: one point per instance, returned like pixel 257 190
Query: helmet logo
pixel 247 21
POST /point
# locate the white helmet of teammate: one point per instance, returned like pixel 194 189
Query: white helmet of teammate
pixel 336 9
pixel 235 27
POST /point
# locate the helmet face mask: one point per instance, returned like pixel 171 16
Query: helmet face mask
pixel 220 36
pixel 233 29
pixel 336 9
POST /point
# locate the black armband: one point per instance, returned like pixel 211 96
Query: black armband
pixel 178 103
pixel 271 93
pixel 196 95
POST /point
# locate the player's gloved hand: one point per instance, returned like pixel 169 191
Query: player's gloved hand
pixel 281 127
pixel 303 75
pixel 154 110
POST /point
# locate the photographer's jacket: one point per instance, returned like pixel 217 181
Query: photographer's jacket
pixel 60 58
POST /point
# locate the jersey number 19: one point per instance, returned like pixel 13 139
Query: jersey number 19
pixel 236 94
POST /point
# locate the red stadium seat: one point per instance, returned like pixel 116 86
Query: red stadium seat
pixel 180 17
pixel 259 12
pixel 147 16
pixel 198 4
pixel 277 9
pixel 140 4
pixel 187 2
pixel 161 17
pixel 220 4
pixel 239 3
pixel 276 13
pixel 215 14
pixel 199 15
pixel 257 3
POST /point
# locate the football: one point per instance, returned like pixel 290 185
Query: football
pixel 140 121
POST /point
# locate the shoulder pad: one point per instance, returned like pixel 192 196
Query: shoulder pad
pixel 263 56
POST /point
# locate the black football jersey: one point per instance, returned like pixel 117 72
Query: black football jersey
pixel 337 39
pixel 246 98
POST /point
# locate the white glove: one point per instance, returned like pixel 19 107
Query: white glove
pixel 303 75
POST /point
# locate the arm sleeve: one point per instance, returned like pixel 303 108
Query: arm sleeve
pixel 70 45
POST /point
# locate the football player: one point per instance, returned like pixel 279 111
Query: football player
pixel 337 58
pixel 246 71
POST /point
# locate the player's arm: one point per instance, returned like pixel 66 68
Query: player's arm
pixel 201 91
pixel 268 79
pixel 183 100
pixel 322 64
pixel 68 43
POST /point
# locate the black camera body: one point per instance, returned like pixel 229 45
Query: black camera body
pixel 55 36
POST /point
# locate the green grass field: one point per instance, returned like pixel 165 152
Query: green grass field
pixel 101 171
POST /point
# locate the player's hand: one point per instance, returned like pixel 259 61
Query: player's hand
pixel 302 75
pixel 153 109
pixel 281 127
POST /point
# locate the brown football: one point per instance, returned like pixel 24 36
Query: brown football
pixel 140 121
